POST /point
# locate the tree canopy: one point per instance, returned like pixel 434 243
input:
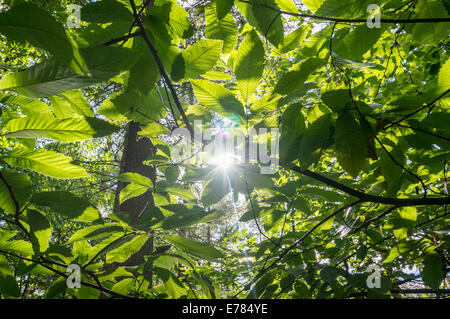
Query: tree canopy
pixel 101 197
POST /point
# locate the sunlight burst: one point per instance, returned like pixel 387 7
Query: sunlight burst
pixel 223 160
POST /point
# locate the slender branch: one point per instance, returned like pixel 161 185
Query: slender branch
pixel 13 197
pixel 372 198
pixel 412 5
pixel 16 204
pixel 373 219
pixel 300 240
pixel 161 68
pixel 106 247
pixel 389 237
pixel 122 38
pixel 60 273
pixel 254 215
pixel 418 110
pixel 424 132
pixel 339 20
pixel 363 118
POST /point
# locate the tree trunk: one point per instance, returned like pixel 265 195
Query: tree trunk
pixel 136 150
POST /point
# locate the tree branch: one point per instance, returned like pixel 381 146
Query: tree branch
pixel 418 110
pixel 161 68
pixel 401 202
pixel 16 204
pixel 373 219
pixel 60 273
pixel 122 38
pixel 299 241
pixel 339 20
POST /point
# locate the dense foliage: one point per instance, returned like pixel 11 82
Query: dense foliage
pixel 87 176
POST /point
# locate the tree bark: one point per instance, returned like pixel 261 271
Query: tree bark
pixel 136 150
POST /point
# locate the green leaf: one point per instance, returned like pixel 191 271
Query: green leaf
pixel 356 64
pixel 105 11
pixel 178 67
pixel 437 120
pixel 5 269
pixel 15 189
pixel 179 191
pixel 134 105
pixel 131 191
pixel 351 144
pixel 180 215
pixel 69 103
pixel 287 5
pixel 217 98
pixel 408 213
pixel 156 159
pixel 95 232
pixel 64 130
pixel 433 32
pixel 267 21
pixel 9 287
pixel 28 106
pixel 150 217
pixel 41 229
pixel 21 247
pixel 86 292
pixel 220 29
pixel 223 7
pixel 216 76
pixel 124 286
pixel 172 173
pixel 297 75
pixel 339 8
pixel 29 23
pixel 249 65
pixel 172 284
pixel 432 273
pixel 6 235
pixel 112 111
pixel 294 39
pixel 195 248
pixel 292 127
pixel 45 162
pixel 56 288
pixel 317 136
pixel 153 129
pixel 444 77
pixel 329 274
pixel 357 42
pixel 393 253
pixel 401 233
pixel 67 204
pixel 96 34
pixel 323 194
pixel 201 57
pixel 179 22
pixel 273 219
pixel 136 179
pixel 51 77
pixel 313 5
pixel 173 15
pixel 123 252
pixel 144 73
pixel 60 107
pixel 393 174
pixel 261 285
pixel 214 191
